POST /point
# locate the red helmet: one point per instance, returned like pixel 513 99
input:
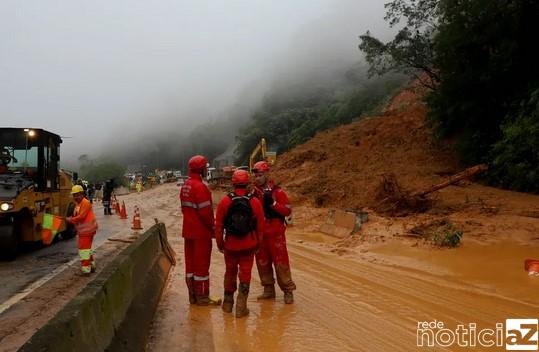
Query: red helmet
pixel 198 162
pixel 240 177
pixel 261 166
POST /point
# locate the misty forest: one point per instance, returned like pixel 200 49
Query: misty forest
pixel 273 176
pixel 477 59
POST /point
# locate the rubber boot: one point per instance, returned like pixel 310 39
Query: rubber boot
pixel 190 281
pixel 241 302
pixel 288 297
pixel 269 292
pixel 228 302
pixel 208 301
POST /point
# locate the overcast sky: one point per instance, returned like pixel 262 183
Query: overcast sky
pixel 89 70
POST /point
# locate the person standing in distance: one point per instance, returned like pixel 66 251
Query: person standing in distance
pixel 197 232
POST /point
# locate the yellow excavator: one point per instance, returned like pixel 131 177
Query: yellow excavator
pixel 222 175
pixel 31 184
pixel 261 149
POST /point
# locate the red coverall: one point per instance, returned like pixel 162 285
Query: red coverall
pixel 239 252
pixel 273 249
pixel 84 220
pixel 197 232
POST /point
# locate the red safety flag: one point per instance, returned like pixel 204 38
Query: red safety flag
pixel 50 226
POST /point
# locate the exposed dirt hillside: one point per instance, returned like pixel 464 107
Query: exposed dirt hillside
pixel 343 168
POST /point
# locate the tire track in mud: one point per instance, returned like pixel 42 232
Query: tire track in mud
pixel 390 300
pixel 364 271
pixel 345 308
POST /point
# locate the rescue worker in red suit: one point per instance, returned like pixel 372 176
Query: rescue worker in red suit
pixel 239 248
pixel 197 231
pixel 273 252
pixel 86 226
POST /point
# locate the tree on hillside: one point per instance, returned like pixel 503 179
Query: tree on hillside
pixel 516 155
pixel 487 61
pixel 484 56
pixel 411 51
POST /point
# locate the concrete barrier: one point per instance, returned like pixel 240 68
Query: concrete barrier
pixel 341 223
pixel 114 311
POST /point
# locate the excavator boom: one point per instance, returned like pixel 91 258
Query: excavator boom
pixel 260 148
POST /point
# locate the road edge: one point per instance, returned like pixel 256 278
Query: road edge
pixel 114 309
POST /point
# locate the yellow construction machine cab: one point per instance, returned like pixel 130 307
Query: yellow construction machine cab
pixel 31 184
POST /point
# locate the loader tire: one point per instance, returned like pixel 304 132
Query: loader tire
pixel 9 242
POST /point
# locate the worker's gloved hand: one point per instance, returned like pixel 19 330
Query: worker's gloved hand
pixel 268 198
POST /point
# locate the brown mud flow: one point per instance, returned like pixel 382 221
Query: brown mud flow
pixel 368 291
pixel 355 299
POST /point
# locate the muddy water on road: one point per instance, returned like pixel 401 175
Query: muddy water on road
pixel 356 302
pixel 496 269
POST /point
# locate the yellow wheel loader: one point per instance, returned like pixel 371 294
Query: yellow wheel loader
pixel 31 184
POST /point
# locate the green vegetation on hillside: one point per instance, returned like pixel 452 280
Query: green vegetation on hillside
pixel 292 114
pixel 480 56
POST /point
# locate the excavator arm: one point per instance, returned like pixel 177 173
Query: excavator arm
pixel 260 148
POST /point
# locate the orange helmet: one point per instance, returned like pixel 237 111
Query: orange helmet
pixel 261 166
pixel 197 163
pixel 240 177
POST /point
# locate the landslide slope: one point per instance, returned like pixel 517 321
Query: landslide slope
pixel 343 167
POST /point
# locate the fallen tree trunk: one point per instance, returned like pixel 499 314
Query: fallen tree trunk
pixel 472 171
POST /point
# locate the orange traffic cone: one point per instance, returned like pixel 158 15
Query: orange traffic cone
pixel 116 206
pixel 123 212
pixel 136 220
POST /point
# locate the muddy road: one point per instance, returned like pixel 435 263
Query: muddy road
pixel 353 295
pixel 355 298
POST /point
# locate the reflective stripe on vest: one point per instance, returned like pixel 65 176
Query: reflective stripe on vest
pixel 86 228
pixel 196 206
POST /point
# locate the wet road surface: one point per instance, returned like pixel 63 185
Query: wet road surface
pixel 44 280
pixel 32 265
pixel 347 300
pixel 359 301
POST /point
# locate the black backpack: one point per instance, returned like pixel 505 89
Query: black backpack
pixel 239 220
